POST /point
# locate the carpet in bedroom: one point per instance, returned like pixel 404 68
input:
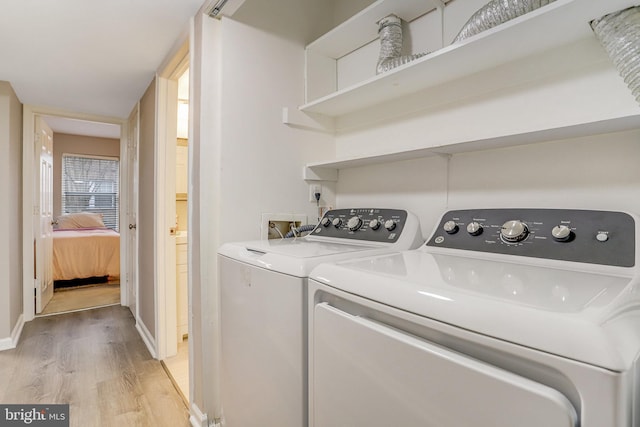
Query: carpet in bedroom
pixel 83 297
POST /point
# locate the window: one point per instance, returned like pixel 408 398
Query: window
pixel 90 184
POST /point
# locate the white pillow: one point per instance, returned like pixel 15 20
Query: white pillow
pixel 80 220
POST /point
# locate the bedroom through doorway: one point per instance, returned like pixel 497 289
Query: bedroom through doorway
pixel 82 198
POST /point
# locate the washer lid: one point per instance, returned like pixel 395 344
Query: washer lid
pixel 594 318
pixel 296 257
pixel 301 248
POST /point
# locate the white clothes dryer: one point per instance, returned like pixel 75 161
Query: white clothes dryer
pixel 263 309
pixel 505 317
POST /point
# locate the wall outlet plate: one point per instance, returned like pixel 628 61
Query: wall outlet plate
pixel 313 189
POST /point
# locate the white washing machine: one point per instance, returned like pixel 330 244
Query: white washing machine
pixel 505 317
pixel 263 309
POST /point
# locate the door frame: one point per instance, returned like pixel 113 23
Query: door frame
pixel 166 131
pixel 29 113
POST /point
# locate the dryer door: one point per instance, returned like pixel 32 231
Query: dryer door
pixel 364 373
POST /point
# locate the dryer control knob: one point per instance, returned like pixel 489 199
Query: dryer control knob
pixel 337 222
pixel 389 224
pixel 561 233
pixel 450 227
pixel 374 224
pixel 474 228
pixel 325 222
pixel 514 231
pixel 354 223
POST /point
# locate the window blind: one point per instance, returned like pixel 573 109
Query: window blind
pixel 91 184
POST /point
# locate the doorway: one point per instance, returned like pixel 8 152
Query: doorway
pixel 42 197
pixel 85 193
pixel 177 365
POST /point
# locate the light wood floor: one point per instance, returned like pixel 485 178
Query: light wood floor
pixel 178 369
pixel 95 361
pixel 83 297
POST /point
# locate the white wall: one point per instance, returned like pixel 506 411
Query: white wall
pixel 203 219
pixel 146 215
pixel 10 212
pixel 262 159
pixel 245 160
pixel 597 172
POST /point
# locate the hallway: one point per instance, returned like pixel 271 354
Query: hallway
pixel 95 361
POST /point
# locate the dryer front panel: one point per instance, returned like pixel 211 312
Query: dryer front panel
pixel 365 373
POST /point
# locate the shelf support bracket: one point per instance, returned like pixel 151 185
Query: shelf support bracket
pixel 313 173
pixel 293 117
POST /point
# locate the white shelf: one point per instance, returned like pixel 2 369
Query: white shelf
pixel 327 171
pixel 362 29
pixel 560 23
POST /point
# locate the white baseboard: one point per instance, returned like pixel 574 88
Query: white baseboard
pixel 148 339
pixel 197 418
pixel 12 341
pixel 6 344
pixel 17 331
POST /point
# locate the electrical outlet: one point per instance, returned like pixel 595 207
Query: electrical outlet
pixel 313 189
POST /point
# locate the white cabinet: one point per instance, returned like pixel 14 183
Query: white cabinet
pixel 182 301
pixel 181 169
pixel 559 25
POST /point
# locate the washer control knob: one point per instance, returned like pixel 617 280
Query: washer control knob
pixel 389 225
pixel 354 223
pixel 561 233
pixel 474 228
pixel 450 227
pixel 337 222
pixel 514 231
pixel 325 222
pixel 602 237
pixel 374 224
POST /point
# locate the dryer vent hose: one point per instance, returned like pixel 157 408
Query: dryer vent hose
pixel 295 232
pixel 390 30
pixel 497 12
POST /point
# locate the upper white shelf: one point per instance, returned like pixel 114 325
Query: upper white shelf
pixel 362 29
pixel 560 23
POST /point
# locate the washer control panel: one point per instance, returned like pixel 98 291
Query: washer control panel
pixel 374 225
pixel 596 237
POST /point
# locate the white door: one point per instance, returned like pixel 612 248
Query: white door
pixel 365 373
pixel 132 212
pixel 44 213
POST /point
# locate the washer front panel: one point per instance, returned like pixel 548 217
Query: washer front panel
pixel 596 237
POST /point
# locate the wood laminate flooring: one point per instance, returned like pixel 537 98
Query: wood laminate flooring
pixel 178 369
pixel 95 361
pixel 83 297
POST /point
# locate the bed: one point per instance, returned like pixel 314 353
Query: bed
pixel 84 248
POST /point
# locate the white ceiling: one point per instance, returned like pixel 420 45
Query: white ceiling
pixel 82 127
pixel 87 56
